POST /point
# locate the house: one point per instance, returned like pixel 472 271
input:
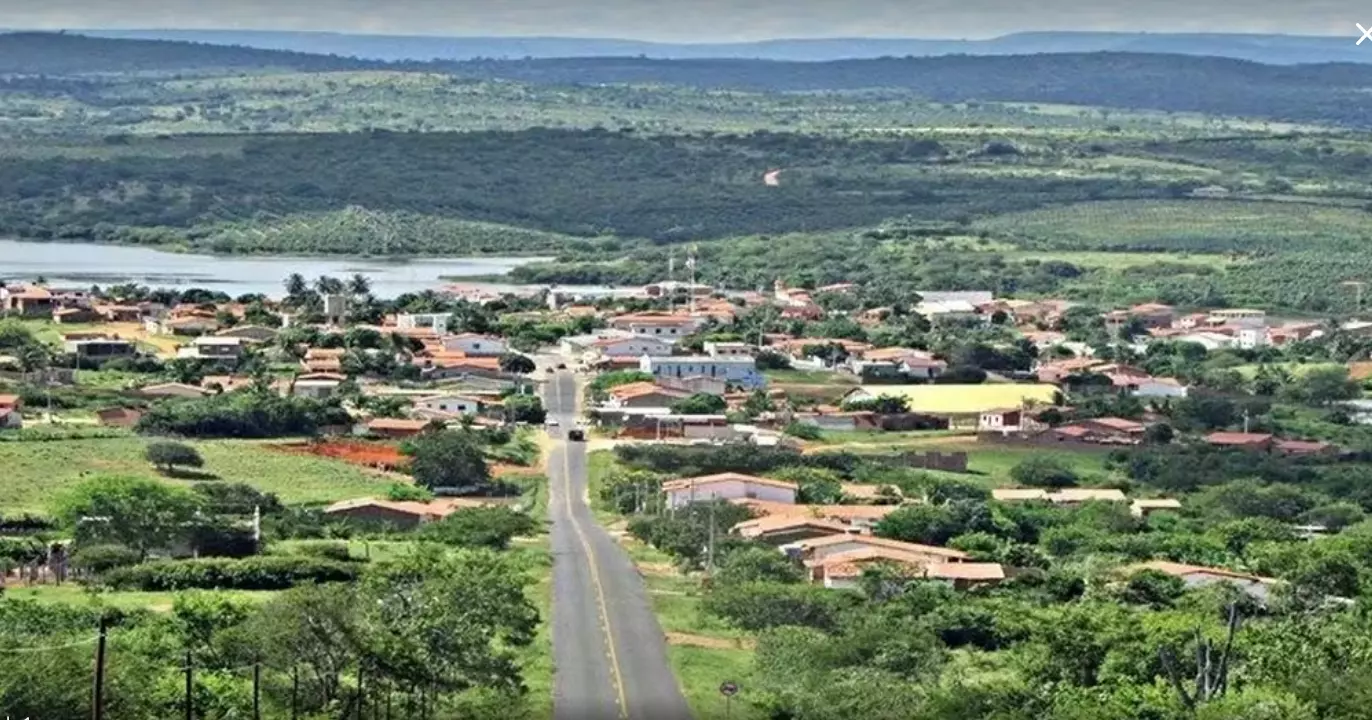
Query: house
pixel 964 575
pixel 1243 317
pixel 1019 494
pixel 818 549
pixel 449 403
pixel 120 313
pixel 184 325
pixel 1293 332
pixel 10 417
pixel 402 514
pixel 1144 507
pixel 1149 387
pixel 728 349
pixel 100 348
pixel 644 395
pixel 897 362
pixel 446 366
pixel 1056 372
pixel 317 385
pixel 323 359
pixel 435 323
pixel 740 371
pixel 1209 340
pixel 1154 315
pixel 1079 496
pixel 118 417
pixel 394 427
pixel 250 333
pixel 27 300
pixel 667 327
pixel 1245 441
pixel 843 570
pixel 74 315
pixel 632 346
pixel 1105 430
pixel 695 384
pixel 943 311
pixel 165 390
pixel 213 347
pixel 1195 576
pixel 727 486
pixel 786 529
pixel 1000 421
pixel 475 345
pixel 1295 448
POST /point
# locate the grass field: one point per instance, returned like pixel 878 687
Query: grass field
pixel 966 399
pixel 1122 260
pixel 1181 223
pixel 74 594
pixel 987 463
pixel 35 472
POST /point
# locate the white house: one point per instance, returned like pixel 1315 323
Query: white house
pixel 727 486
pixel 317 385
pixel 1152 387
pixel 448 403
pixel 733 370
pixel 1209 340
pixel 946 310
pixel 475 345
pixel 1252 337
pixel 213 347
pixel 728 349
pixel 669 327
pixel 636 346
pixel 437 322
pixel 1243 317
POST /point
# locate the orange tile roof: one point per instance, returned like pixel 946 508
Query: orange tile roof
pixel 396 424
pixel 897 545
pixel 1237 438
pixel 686 483
pixel 964 571
pixel 639 389
pixel 9 401
pixel 780 523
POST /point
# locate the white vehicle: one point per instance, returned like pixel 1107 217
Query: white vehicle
pixel 551 422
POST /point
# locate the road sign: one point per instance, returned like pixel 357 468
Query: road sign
pixel 728 689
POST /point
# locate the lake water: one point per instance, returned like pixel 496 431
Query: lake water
pixel 84 264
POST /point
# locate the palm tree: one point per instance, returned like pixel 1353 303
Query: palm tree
pixel 326 285
pixel 358 284
pixel 295 285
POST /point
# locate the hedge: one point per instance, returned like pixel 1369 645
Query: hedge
pixel 255 573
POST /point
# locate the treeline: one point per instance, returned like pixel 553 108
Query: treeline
pixel 1327 93
pixel 586 183
pixel 36 53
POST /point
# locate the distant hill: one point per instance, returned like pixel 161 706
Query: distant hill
pixel 66 54
pixel 1271 49
pixel 1329 93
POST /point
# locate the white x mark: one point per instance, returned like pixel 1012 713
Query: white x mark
pixel 1366 33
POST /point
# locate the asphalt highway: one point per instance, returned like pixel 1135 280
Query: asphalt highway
pixel 610 655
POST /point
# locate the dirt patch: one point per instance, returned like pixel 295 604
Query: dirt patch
pixel 378 456
pixel 656 569
pixel 705 641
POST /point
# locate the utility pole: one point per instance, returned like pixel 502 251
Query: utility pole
pixel 190 680
pixel 257 689
pixel 710 550
pixel 98 695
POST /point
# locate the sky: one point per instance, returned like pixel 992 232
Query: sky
pixel 698 20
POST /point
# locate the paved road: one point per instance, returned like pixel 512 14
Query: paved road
pixel 608 649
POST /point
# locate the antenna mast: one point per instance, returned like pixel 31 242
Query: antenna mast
pixel 691 265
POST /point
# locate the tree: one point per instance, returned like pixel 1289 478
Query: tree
pixel 449 621
pixel 516 363
pixel 141 514
pixel 296 285
pixel 772 360
pixel 526 409
pixel 1043 471
pixel 326 285
pixel 700 404
pixel 1324 385
pixel 480 527
pixel 359 285
pixel 757 563
pixel 1153 588
pixel 1159 434
pixel 450 459
pixel 167 455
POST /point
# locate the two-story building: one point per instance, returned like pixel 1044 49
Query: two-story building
pixel 449 403
pixel 667 327
pixel 225 350
pixel 741 371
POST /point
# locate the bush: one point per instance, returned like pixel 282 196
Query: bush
pixel 167 455
pixel 401 492
pixel 100 559
pixel 256 573
pixel 480 527
pixel 803 431
pixel 326 549
pixel 1044 472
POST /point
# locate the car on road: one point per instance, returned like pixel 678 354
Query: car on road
pixel 576 435
pixel 562 366
pixel 551 422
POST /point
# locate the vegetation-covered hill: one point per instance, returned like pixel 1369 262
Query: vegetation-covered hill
pixel 1307 93
pixel 63 54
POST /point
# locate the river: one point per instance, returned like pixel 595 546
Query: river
pixel 85 264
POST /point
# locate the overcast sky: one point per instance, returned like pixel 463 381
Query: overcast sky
pixel 698 20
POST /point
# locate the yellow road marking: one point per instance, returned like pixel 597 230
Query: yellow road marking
pixel 595 578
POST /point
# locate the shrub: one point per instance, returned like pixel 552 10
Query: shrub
pixel 100 559
pixel 167 455
pixel 256 573
pixel 401 492
pixel 326 549
pixel 1042 471
pixel 803 431
pixel 480 527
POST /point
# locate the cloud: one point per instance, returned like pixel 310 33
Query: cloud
pixel 695 20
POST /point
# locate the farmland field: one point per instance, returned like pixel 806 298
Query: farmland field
pixel 36 472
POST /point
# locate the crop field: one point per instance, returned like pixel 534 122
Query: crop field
pixel 967 399
pixel 1187 225
pixel 36 472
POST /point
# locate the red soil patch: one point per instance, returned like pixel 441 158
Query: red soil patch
pixel 381 456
